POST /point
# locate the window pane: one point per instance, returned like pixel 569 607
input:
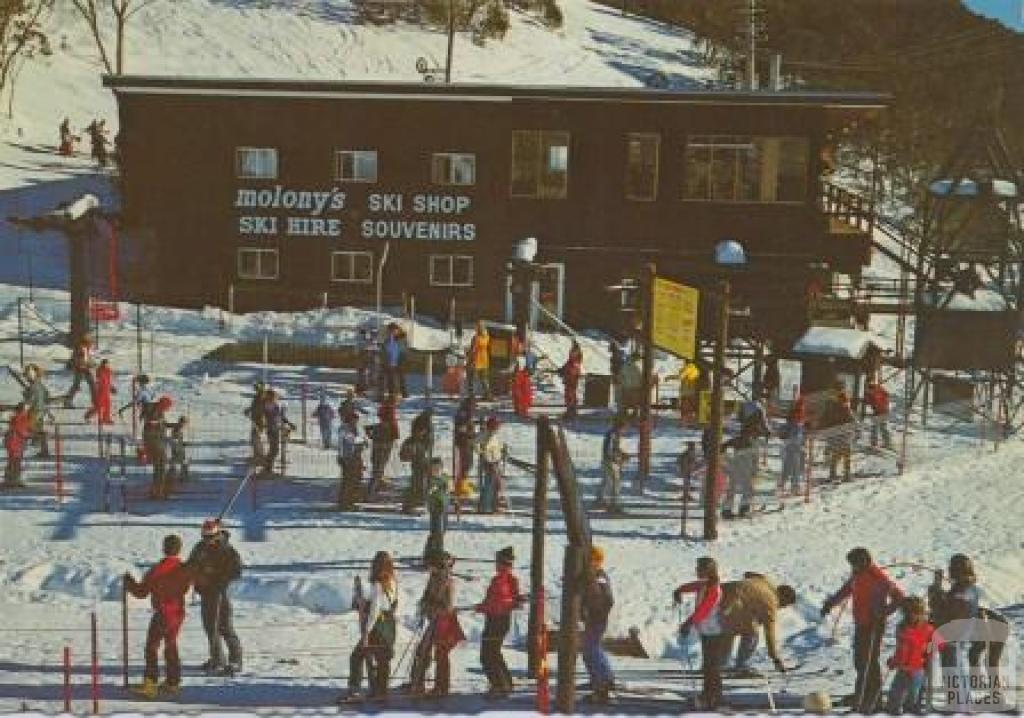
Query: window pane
pixel 462 271
pixel 792 179
pixel 268 264
pixel 248 263
pixel 366 166
pixel 748 173
pixel 556 169
pixel 440 270
pixel 723 173
pixel 362 267
pixel 439 169
pixel 256 162
pixel 525 163
pixel 642 167
pixel 698 172
pixel 463 169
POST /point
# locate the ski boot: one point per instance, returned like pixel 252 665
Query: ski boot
pixel 148 689
pixel 169 690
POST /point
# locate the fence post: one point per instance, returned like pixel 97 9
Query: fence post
pixel 58 462
pixel 543 689
pixel 124 632
pixel 135 399
pixel 67 679
pixel 21 339
pixel 138 350
pixel 124 457
pixel 565 699
pixel 808 469
pixel 540 515
pixel 691 454
pixel 305 418
pixel 95 666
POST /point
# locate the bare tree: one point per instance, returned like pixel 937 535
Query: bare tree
pixel 21 37
pixel 122 10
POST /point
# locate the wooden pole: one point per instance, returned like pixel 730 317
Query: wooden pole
pixel 644 457
pixel 691 457
pixel 67 679
pixel 21 338
pixel 543 689
pixel 95 665
pixel 58 463
pixel 565 699
pixel 138 339
pixel 540 515
pixel 124 633
pixel 714 458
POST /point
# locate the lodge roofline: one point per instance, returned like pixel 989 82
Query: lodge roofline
pixel 478 92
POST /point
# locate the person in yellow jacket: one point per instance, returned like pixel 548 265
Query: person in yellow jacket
pixel 479 360
pixel 749 605
pixel 689 376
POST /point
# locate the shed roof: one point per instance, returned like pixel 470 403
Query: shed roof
pixel 838 342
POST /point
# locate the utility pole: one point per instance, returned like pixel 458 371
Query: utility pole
pixel 451 42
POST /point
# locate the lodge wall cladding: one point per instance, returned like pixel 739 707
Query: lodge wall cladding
pixel 181 179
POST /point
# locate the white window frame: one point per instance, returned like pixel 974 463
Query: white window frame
pixel 240 165
pixel 449 159
pixel 351 257
pixel 550 161
pixel 434 282
pixel 260 251
pixel 339 156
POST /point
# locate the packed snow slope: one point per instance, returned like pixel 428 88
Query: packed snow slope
pixel 62 560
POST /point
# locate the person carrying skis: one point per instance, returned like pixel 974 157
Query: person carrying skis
pixel 418 450
pixel 19 429
pixel 442 632
pixel 492 452
pixel 154 441
pixel 165 584
pixel 596 606
pixel 749 605
pixel 913 653
pixel 613 457
pixel 80 364
pixel 438 501
pixel 570 373
pixel 350 459
pixel 479 359
pixel 874 596
pixel 383 436
pixel 464 434
pixel 502 598
pixel 258 422
pixel 215 564
pixel 278 428
pixel 877 399
pixel 104 388
pixel 324 414
pixel 376 645
pixel 706 620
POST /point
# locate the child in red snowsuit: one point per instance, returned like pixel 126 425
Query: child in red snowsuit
pixel 502 598
pixel 104 388
pixel 913 651
pixel 18 431
pixel 166 584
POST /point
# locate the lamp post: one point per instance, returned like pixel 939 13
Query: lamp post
pixel 729 254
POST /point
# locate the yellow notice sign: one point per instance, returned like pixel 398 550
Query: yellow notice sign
pixel 675 318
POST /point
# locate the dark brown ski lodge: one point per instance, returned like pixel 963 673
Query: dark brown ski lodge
pixel 271 194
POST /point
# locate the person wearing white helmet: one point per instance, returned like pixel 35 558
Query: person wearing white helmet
pixel 216 564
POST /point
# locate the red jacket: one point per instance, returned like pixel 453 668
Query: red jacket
pixel 709 596
pixel 913 644
pixel 870 589
pixel 502 595
pixel 18 431
pixel 104 379
pixel 878 399
pixel 166 585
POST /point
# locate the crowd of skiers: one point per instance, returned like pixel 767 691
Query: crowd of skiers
pixel 98 141
pixel 163 440
pixel 210 569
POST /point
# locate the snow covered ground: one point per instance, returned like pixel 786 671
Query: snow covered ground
pixel 61 561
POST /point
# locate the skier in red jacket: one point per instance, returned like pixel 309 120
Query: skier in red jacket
pixel 18 431
pixel 502 598
pixel 706 620
pixel 104 388
pixel 874 596
pixel 166 584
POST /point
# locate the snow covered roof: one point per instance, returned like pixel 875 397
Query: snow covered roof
pixel 983 300
pixel 969 188
pixel 839 342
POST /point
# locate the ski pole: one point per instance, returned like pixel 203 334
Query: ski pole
pixel 768 690
pixel 238 492
pixel 413 640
